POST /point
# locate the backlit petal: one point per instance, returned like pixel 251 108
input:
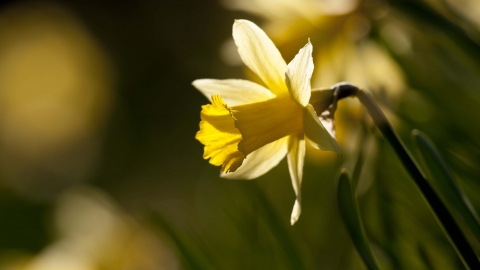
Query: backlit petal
pixel 260 55
pixel 263 122
pixel 260 161
pixel 233 92
pixel 295 157
pixel 219 135
pixel 315 132
pixel 298 75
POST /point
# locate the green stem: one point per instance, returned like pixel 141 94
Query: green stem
pixel 449 225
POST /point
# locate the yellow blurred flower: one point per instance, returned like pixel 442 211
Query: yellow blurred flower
pixel 56 93
pixel 93 233
pixel 248 128
pixel 339 29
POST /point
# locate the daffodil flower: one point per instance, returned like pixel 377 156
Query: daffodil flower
pixel 248 129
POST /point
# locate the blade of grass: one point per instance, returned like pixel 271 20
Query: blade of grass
pixel 424 257
pixel 419 11
pixel 444 183
pixel 187 251
pixel 275 223
pixel 350 214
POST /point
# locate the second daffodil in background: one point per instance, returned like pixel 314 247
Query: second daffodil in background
pixel 248 128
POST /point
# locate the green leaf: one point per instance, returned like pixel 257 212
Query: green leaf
pixel 444 183
pixel 347 204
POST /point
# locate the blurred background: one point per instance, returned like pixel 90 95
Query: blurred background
pixel 99 168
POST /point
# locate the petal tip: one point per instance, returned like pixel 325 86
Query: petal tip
pixel 239 21
pixel 196 83
pixel 293 221
pixel 295 213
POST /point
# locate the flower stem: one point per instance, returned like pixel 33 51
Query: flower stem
pixel 442 214
pixel 448 224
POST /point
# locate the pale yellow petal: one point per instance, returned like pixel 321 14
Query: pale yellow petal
pixel 260 161
pixel 260 55
pixel 219 135
pixel 298 75
pixel 263 122
pixel 233 92
pixel 295 157
pixel 316 134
